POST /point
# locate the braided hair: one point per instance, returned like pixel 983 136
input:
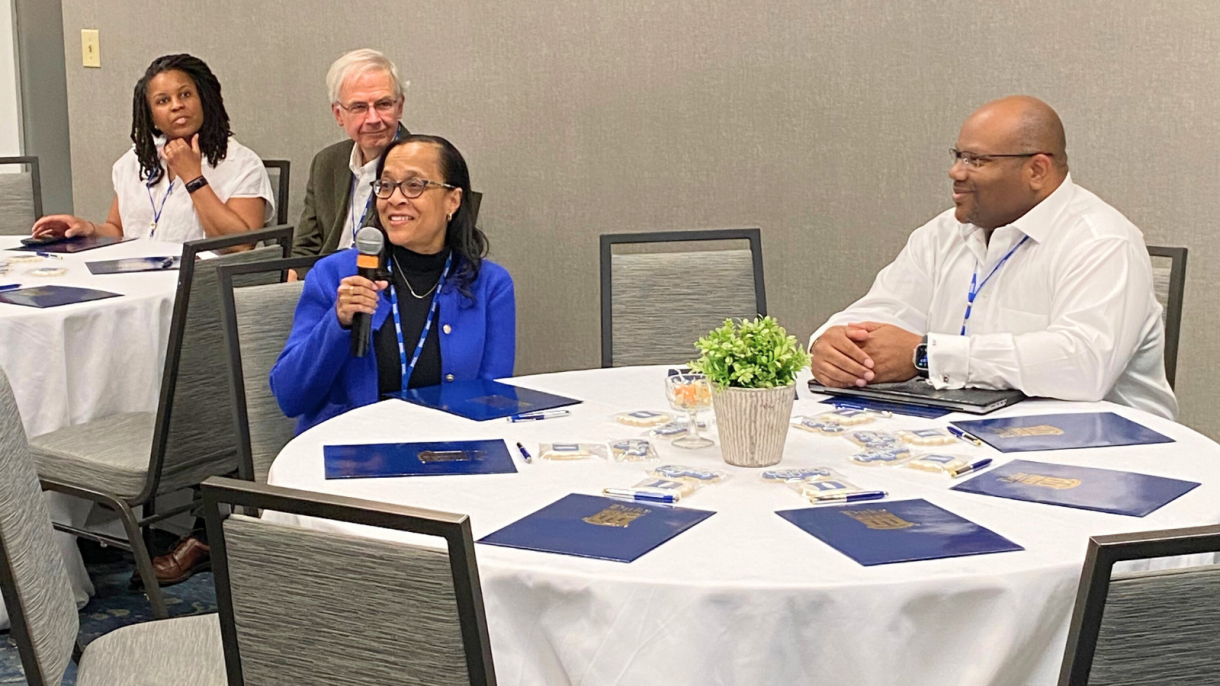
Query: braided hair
pixel 213 135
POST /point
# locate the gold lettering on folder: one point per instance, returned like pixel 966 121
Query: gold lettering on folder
pixel 1026 431
pixel 620 516
pixel 882 520
pixel 1054 482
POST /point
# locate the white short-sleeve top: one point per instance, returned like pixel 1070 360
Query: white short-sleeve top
pixel 240 174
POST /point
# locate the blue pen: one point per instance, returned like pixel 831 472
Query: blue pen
pixel 967 437
pixel 962 471
pixel 633 494
pixel 535 416
pixel 10 287
pixel 850 497
pixel 525 454
pixel 48 255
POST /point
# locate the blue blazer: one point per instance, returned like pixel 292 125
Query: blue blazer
pixel 316 378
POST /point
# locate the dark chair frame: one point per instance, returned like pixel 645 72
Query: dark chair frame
pixel 237 379
pixel 1173 314
pixel 137 528
pixel 35 179
pixel 609 240
pixel 454 528
pixel 1104 552
pixel 281 193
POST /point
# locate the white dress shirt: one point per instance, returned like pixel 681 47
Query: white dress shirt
pixel 1071 314
pixel 360 196
pixel 240 174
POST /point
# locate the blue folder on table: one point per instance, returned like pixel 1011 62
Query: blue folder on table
pixel 483 399
pixel 881 533
pixel 883 406
pixel 129 265
pixel 75 244
pixel 53 296
pixel 363 461
pixel 1060 432
pixel 597 527
pixel 1084 488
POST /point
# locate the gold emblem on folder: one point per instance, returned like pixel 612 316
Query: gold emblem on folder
pixel 620 516
pixel 1025 431
pixel 879 519
pixel 1055 482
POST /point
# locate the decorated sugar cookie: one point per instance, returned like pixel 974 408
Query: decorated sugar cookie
pixel 874 439
pixel 847 417
pixel 633 450
pixel 797 474
pixel 818 426
pixel 935 462
pixel 927 437
pixel 681 473
pixel 644 418
pixel 883 457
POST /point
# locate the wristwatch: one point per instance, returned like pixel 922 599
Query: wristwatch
pixel 195 184
pixel 920 358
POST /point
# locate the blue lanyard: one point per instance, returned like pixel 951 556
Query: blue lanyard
pixel 409 369
pixel 351 209
pixel 152 229
pixel 974 290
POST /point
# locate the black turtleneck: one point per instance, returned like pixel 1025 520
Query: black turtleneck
pixel 421 273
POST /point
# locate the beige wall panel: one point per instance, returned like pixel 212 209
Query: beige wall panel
pixel 824 123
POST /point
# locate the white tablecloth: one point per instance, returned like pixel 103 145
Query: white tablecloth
pixel 72 364
pixel 745 597
pixel 75 363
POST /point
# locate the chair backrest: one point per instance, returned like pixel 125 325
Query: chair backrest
pixel 280 172
pixel 1145 627
pixel 256 322
pixel 1169 282
pixel 660 292
pixel 20 195
pixel 33 580
pixel 192 438
pixel 308 606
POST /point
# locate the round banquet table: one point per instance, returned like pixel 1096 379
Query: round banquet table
pixel 74 363
pixel 746 597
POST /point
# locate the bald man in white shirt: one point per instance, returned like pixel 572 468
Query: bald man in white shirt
pixel 1031 282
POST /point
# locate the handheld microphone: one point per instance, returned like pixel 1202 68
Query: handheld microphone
pixel 369 242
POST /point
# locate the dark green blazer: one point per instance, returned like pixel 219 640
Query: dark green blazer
pixel 326 198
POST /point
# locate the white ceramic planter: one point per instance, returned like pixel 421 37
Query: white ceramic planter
pixel 753 423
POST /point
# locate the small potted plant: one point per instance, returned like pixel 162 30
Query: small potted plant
pixel 752 368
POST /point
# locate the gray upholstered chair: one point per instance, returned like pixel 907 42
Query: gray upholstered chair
pixel 661 291
pixel 1169 283
pixel 280 173
pixel 256 321
pixel 1155 627
pixel 129 460
pixel 306 606
pixel 38 595
pixel 20 195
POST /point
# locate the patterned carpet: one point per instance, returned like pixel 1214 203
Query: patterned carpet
pixel 116 605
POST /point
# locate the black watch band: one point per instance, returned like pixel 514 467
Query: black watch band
pixel 195 184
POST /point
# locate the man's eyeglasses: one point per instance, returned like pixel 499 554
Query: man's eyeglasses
pixel 974 161
pixel 359 109
pixel 411 188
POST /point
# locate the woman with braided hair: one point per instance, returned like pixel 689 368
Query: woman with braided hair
pixel 185 177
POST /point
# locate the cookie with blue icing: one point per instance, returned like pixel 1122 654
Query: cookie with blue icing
pixel 927 437
pixel 818 426
pixel 644 418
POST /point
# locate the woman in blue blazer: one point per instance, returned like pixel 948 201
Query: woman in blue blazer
pixel 439 291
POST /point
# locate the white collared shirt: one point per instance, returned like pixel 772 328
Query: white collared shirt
pixel 1071 315
pixel 359 197
pixel 240 174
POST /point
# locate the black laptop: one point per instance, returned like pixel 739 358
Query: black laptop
pixel 920 392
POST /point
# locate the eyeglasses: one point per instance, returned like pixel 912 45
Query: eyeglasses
pixel 411 188
pixel 974 161
pixel 359 109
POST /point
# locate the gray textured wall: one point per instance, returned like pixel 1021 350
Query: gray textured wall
pixel 825 123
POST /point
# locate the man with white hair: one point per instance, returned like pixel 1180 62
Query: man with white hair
pixel 366 97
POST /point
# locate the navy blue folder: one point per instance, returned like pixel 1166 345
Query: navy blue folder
pixel 74 245
pixel 53 296
pixel 1060 432
pixel 483 399
pixel 881 533
pixel 895 408
pixel 1085 488
pixel 363 461
pixel 597 527
pixel 129 265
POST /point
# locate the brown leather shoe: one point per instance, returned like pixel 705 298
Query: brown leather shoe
pixel 190 556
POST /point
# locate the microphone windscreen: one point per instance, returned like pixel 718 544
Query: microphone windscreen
pixel 369 241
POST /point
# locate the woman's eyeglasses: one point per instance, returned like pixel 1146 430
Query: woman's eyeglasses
pixel 411 188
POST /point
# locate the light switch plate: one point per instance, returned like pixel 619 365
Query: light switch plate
pixel 90 48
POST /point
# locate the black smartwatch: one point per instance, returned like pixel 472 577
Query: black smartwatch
pixel 195 184
pixel 920 358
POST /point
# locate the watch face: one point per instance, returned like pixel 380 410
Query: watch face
pixel 921 357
